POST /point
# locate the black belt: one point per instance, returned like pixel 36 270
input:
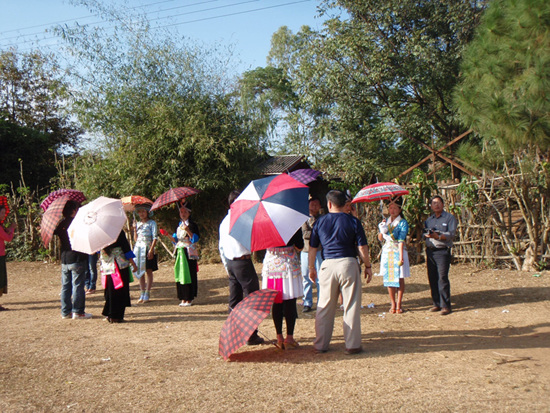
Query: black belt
pixel 243 258
pixel 437 249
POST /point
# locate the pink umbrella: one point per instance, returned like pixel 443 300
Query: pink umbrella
pixel 173 195
pixel 379 191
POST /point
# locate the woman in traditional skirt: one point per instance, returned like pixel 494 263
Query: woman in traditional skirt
pixel 6 234
pixel 186 267
pixel 282 272
pixel 146 236
pixel 394 264
pixel 115 275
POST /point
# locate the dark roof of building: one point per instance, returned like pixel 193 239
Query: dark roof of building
pixel 282 163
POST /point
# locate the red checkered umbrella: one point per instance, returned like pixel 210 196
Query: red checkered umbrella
pixel 244 319
pixel 52 217
pixel 173 195
pixel 73 194
pixel 4 203
pixel 379 191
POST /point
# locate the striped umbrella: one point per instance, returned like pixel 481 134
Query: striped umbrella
pixel 269 212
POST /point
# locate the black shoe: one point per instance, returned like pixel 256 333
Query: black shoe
pixel 306 309
pixel 255 341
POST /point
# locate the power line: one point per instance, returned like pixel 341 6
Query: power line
pixel 185 22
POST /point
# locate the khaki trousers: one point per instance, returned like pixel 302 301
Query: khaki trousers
pixel 335 276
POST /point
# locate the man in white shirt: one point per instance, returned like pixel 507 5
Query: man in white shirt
pixel 237 261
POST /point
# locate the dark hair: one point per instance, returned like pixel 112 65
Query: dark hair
pixel 338 198
pixel 437 196
pixel 185 204
pixel 232 196
pixel 397 201
pixel 314 198
pixel 70 207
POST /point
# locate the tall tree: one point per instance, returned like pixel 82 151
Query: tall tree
pixel 163 105
pixel 34 116
pixel 504 97
pixel 378 79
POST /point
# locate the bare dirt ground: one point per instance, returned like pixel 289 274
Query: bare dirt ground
pixel 491 354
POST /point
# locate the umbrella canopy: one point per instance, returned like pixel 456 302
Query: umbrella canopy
pixel 174 195
pixel 72 193
pixel 305 176
pixel 97 225
pixel 51 218
pixel 129 202
pixel 4 203
pixel 379 191
pixel 244 319
pixel 268 212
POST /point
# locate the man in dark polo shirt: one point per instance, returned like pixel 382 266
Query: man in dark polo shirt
pixel 342 236
pixel 73 270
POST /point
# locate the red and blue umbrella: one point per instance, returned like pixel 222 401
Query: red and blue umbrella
pixel 269 212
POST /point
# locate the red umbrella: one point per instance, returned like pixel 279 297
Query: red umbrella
pixel 129 202
pixel 4 202
pixel 305 176
pixel 268 212
pixel 174 195
pixel 379 191
pixel 51 218
pixel 244 319
pixel 73 194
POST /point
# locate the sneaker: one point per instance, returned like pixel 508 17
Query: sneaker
pixel 66 316
pixel 145 298
pixel 90 291
pixel 141 298
pixel 84 316
pixel 306 309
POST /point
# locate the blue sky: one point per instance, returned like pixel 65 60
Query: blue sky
pixel 248 25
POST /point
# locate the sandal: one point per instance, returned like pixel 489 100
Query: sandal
pixel 399 310
pixel 280 345
pixel 392 310
pixel 290 345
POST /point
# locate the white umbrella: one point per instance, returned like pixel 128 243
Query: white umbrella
pixel 97 225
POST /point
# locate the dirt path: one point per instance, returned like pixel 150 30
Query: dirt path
pixel 492 353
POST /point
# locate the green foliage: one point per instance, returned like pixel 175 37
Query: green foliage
pixel 378 77
pixel 468 194
pixel 416 208
pixel 34 123
pixel 506 70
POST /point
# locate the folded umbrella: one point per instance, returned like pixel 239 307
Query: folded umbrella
pixel 244 320
pixel 4 202
pixel 97 225
pixel 269 212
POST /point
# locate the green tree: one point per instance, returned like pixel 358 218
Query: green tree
pixel 504 97
pixel 164 109
pixel 35 123
pixel 378 77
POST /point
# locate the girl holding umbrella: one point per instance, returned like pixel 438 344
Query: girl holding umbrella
pixel 394 264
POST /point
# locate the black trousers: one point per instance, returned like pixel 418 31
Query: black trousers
pixel 438 263
pixel 243 280
pixel 286 309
